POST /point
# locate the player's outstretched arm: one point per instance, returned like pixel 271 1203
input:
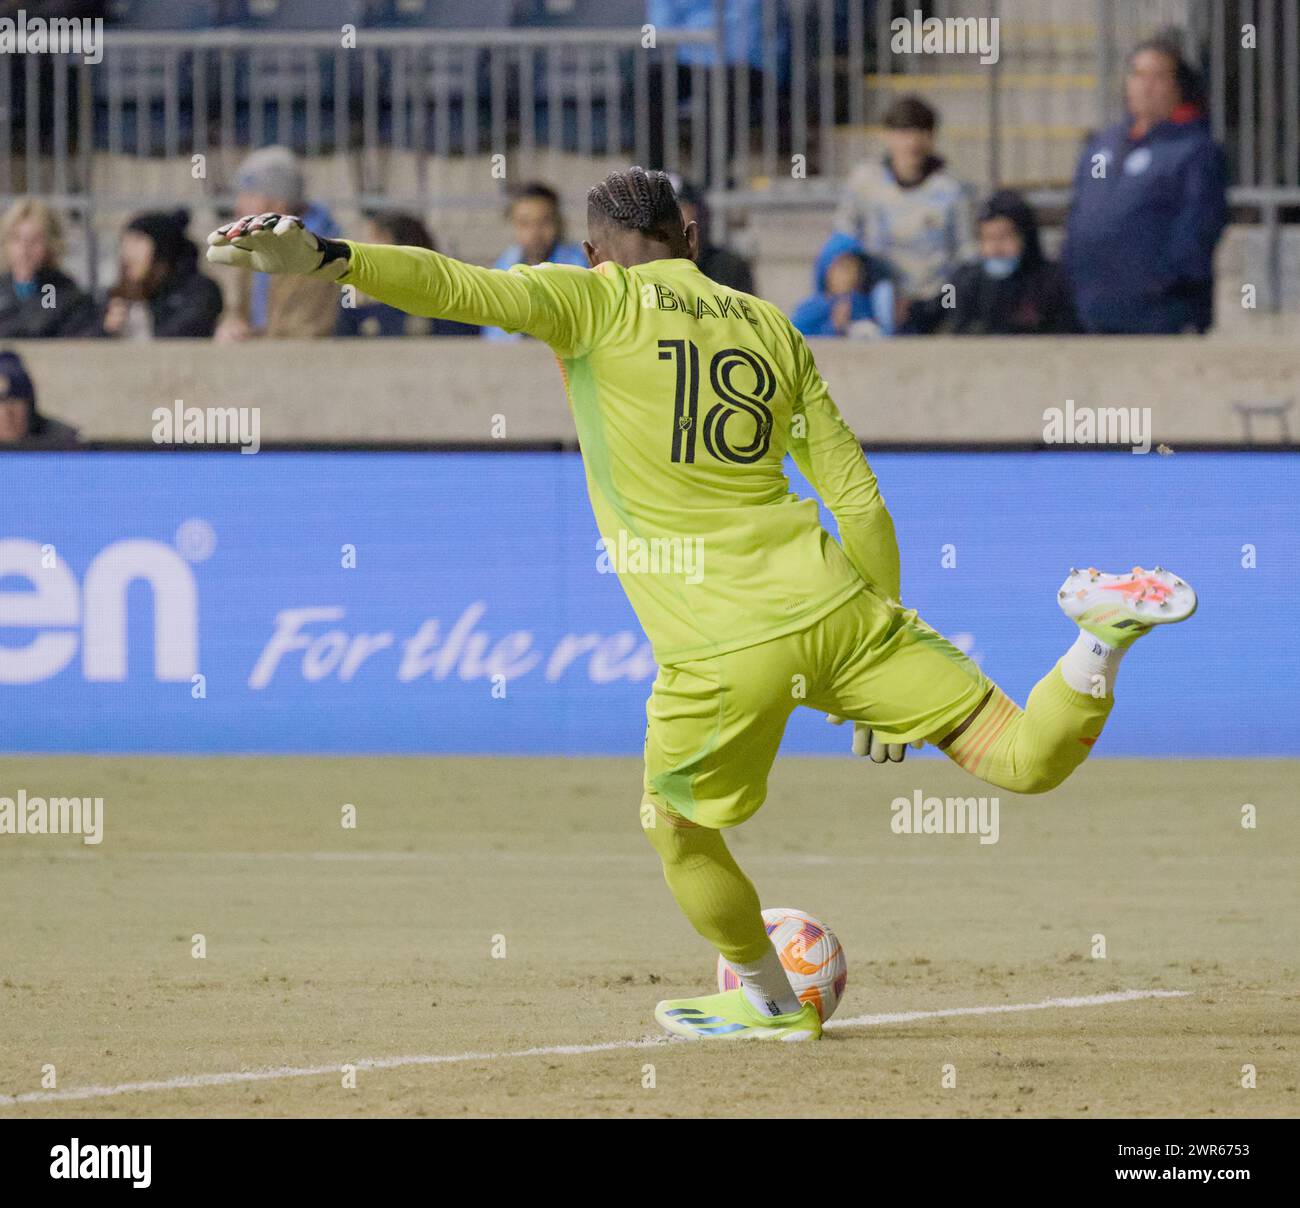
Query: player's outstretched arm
pixel 567 308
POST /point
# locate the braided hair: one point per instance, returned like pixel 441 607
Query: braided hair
pixel 637 200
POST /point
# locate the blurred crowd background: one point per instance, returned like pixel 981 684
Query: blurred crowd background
pixel 1121 168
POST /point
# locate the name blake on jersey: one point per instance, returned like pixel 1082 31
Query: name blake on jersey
pixel 666 298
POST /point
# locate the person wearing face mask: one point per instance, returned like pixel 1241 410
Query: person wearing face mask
pixel 1011 289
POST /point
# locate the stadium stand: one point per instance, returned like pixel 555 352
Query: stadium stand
pixel 437 100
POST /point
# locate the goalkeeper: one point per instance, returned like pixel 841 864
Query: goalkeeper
pixel 687 396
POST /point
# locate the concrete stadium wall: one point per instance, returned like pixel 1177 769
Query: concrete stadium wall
pixel 919 390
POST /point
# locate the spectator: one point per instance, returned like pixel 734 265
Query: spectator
pixel 1012 289
pixel 37 299
pixel 160 292
pixel 1149 205
pixel 855 296
pixel 719 264
pixel 909 211
pixel 20 422
pixel 270 180
pixel 370 318
pixel 538 226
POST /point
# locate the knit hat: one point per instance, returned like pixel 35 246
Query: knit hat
pixel 273 171
pixel 167 230
pixel 15 382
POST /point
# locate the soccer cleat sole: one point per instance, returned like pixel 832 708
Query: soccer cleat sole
pixel 1134 601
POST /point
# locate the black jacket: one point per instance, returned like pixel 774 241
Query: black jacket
pixel 50 433
pixel 73 314
pixel 1034 300
pixel 727 268
pixel 186 304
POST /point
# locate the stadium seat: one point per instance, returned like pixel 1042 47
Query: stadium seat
pixel 570 72
pixel 298 14
pixel 274 84
pixel 442 14
pixel 164 14
pixel 274 16
pixel 458 74
pixel 581 14
pixel 139 74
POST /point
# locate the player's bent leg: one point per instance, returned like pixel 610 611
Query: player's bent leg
pixel 1034 749
pixel 1029 750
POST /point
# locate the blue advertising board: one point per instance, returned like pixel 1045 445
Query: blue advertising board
pixel 374 602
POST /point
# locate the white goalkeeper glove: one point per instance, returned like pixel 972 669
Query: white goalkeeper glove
pixel 278 243
pixel 867 745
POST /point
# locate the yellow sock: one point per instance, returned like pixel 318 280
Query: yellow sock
pixel 716 897
pixel 1033 749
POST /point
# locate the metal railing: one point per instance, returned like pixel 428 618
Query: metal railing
pixel 779 95
pixel 436 94
pixel 797 81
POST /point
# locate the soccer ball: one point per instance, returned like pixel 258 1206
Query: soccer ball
pixel 811 954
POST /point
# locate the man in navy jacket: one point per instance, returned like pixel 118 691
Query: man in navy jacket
pixel 1149 205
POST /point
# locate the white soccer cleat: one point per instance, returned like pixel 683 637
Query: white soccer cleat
pixel 1118 609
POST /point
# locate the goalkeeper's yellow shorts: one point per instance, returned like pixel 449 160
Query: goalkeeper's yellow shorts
pixel 714 725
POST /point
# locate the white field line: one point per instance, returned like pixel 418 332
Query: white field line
pixel 278 1073
pixel 1087 1000
pixel 89 854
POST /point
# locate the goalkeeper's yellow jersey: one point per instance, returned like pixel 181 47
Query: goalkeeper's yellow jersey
pixel 686 396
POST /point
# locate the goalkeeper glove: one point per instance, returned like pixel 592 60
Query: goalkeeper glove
pixel 868 745
pixel 278 243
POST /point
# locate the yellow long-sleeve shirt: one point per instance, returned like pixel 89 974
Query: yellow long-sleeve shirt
pixel 687 396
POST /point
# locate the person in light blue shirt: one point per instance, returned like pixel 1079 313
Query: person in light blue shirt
pixel 538 226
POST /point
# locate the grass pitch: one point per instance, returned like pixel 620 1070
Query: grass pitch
pixel 327 946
